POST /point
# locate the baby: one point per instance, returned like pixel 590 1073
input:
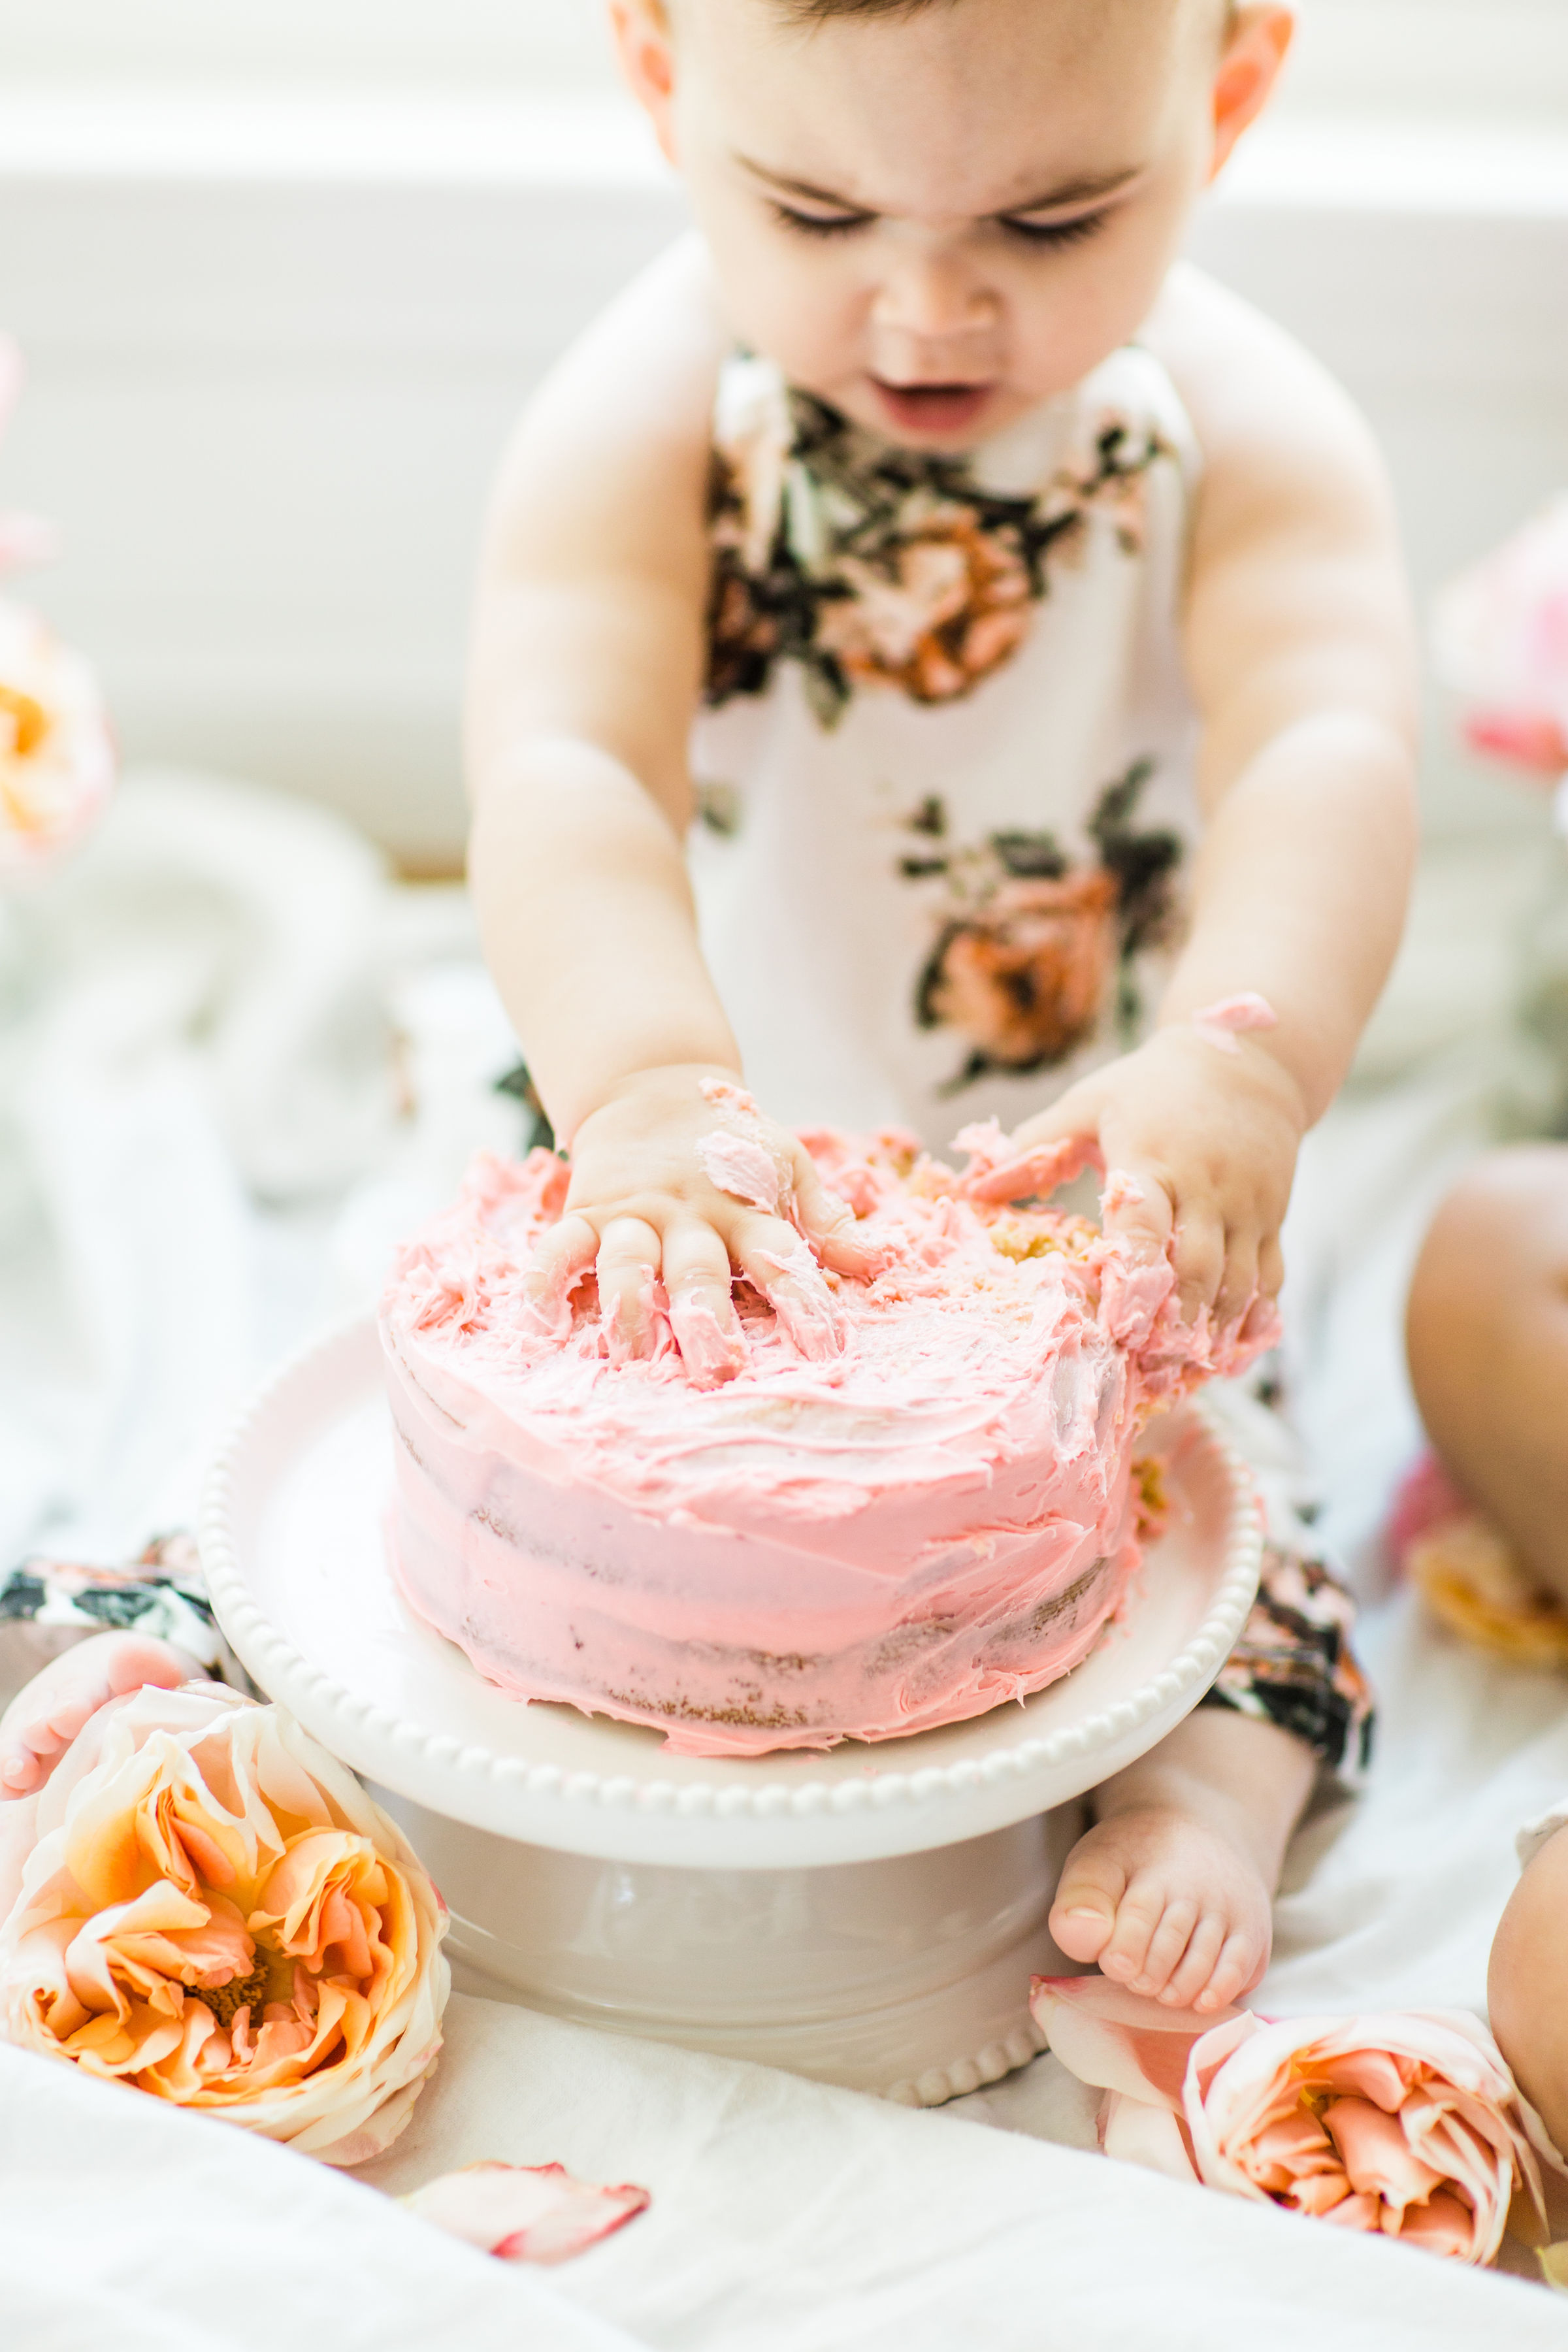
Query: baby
pixel 1489 1360
pixel 1007 623
pixel 935 650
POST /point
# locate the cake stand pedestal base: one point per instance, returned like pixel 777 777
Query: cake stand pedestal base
pixel 871 1916
pixel 908 1976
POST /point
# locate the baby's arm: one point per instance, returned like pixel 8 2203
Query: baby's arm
pixel 1299 649
pixel 586 670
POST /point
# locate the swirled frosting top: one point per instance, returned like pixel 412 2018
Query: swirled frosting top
pixel 992 1335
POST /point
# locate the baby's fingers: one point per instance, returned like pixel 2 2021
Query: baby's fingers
pixel 629 1255
pixel 828 1224
pixel 780 1264
pixel 1135 1208
pixel 1032 1168
pixel 1198 1254
pixel 560 1261
pixel 696 1285
pixel 1238 1281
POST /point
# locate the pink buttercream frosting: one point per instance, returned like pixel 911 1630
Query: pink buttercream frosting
pixel 934 1513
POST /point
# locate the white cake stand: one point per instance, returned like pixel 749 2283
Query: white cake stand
pixel 870 1916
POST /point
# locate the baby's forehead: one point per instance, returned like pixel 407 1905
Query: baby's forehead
pixel 946 106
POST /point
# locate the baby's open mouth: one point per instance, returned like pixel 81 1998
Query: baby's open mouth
pixel 932 407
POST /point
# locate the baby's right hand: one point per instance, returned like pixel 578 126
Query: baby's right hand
pixel 677 1175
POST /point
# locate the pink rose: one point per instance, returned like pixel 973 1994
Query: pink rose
pixel 1502 642
pixel 525 2212
pixel 215 1912
pixel 1410 2125
pixel 56 761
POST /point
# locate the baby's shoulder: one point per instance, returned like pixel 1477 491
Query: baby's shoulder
pixel 632 396
pixel 1278 435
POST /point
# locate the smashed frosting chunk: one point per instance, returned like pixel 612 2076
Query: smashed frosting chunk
pixel 935 1517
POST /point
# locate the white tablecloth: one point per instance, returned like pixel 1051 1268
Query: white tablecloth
pixel 205 1145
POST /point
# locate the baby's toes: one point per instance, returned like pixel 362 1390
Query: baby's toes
pixel 57 1704
pixel 1241 1962
pixel 1085 1910
pixel 1196 1972
pixel 1166 1945
pixel 1129 1954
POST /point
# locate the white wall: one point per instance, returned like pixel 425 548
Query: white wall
pixel 1505 59
pixel 275 342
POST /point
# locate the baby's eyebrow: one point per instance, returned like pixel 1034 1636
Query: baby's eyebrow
pixel 789 187
pixel 1087 189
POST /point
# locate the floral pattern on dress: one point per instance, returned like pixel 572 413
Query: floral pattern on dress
pixel 874 566
pixel 1294 1667
pixel 47 1604
pixel 1029 947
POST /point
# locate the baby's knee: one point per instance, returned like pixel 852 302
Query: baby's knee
pixel 1527 1985
pixel 1502 1229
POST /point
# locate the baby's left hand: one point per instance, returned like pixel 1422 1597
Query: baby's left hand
pixel 1209 1139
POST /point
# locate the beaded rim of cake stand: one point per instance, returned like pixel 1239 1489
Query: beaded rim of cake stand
pixel 273 1659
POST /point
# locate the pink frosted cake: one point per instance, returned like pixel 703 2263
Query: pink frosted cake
pixel 939 1516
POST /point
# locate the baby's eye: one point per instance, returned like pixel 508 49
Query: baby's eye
pixel 1055 233
pixel 818 224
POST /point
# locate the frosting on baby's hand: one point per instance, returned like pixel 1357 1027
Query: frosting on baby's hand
pixel 742 1166
pixel 1217 1024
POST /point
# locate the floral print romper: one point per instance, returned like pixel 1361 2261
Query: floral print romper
pixel 946 819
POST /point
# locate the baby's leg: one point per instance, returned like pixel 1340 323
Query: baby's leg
pixel 47 1714
pixel 1527 1985
pixel 1171 1891
pixel 1488 1334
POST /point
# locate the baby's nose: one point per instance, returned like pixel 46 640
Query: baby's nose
pixel 931 296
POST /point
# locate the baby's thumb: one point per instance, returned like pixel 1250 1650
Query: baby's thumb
pixel 1044 1152
pixel 828 1224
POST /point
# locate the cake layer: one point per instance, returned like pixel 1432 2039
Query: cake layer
pixel 906 1532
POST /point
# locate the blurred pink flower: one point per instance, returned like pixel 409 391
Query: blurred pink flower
pixel 214 1912
pixel 1502 642
pixel 1409 2125
pixel 57 756
pixel 525 2212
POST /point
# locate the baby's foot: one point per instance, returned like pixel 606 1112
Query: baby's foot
pixel 1168 1905
pixel 47 1714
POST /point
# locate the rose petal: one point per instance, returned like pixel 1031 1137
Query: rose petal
pixel 1377 2156
pixel 1136 2132
pixel 1362 2212
pixel 1444 2225
pixel 1120 2041
pixel 525 2213
pixel 1373 2074
pixel 1323 2192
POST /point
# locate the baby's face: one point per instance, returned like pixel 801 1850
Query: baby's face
pixel 936 220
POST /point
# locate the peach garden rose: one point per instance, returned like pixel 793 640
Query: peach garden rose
pixel 1406 2125
pixel 215 1913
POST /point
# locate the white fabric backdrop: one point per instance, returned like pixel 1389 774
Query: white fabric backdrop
pixel 233 1062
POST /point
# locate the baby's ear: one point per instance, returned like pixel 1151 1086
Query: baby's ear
pixel 644 44
pixel 1255 50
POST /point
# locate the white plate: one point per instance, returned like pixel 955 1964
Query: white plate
pixel 294 1545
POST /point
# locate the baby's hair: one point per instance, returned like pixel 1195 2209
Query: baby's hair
pixel 811 11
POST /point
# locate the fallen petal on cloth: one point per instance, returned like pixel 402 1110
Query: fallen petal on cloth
pixel 525 2212
pixel 1410 2126
pixel 215 1912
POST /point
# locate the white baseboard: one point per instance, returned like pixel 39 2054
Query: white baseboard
pixel 274 349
